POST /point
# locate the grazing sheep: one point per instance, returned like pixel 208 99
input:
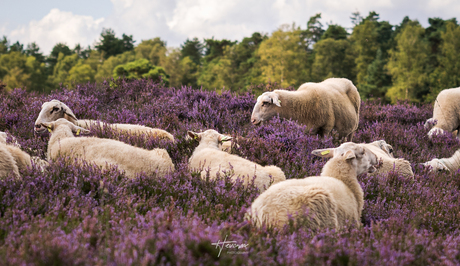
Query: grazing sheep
pixel 451 164
pixel 446 112
pixel 209 156
pixel 53 110
pixel 331 104
pixel 104 152
pixel 384 152
pixel 334 199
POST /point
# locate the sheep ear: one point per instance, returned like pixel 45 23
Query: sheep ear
pixel 324 153
pixel 276 100
pixel 223 138
pixel 48 125
pixel 68 113
pixel 79 130
pixel 194 135
pixel 349 155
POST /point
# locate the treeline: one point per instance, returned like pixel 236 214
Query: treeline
pixel 405 61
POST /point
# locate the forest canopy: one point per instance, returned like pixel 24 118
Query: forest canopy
pixel 393 62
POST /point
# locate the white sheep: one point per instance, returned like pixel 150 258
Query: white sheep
pixel 22 160
pixel 334 199
pixel 53 110
pixel 446 112
pixel 104 152
pixel 208 156
pixel 450 164
pixel 331 104
pixel 384 152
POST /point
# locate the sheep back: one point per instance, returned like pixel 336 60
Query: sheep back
pixel 333 103
pixel 216 162
pixel 105 152
pixel 8 165
pixel 447 109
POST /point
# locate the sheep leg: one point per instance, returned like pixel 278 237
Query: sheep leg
pixel 350 136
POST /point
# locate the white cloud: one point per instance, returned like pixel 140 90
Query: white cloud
pixel 176 20
pixel 59 26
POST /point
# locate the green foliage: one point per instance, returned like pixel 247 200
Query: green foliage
pixel 110 45
pixel 154 50
pixel 192 49
pixel 141 69
pixel 105 70
pixel 283 57
pixel 446 74
pixel 407 63
pixel 333 58
pixel 335 32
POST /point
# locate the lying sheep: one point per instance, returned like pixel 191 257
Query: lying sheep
pixel 333 200
pixel 53 110
pixel 384 152
pixel 331 104
pixel 22 160
pixel 209 156
pixel 446 112
pixel 104 152
pixel 8 164
pixel 450 164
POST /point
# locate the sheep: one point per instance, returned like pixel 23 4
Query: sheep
pixel 104 152
pixel 8 164
pixel 209 156
pixel 385 153
pixel 22 160
pixel 54 109
pixel 334 199
pixel 331 104
pixel 446 112
pixel 451 164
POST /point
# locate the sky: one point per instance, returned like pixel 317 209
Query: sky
pixel 49 22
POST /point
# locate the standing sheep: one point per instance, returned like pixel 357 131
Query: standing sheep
pixel 451 164
pixel 331 104
pixel 208 155
pixel 104 152
pixel 334 199
pixel 446 112
pixel 53 110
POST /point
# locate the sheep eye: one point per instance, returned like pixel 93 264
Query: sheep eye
pixel 265 103
pixel 391 150
pixel 54 109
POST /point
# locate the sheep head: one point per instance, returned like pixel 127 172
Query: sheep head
pixel 209 136
pixel 436 165
pixel 62 122
pixel 52 111
pixel 361 158
pixel 267 106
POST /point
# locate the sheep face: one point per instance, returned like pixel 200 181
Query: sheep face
pixel 436 165
pixel 384 146
pixel 52 111
pixel 361 158
pixel 62 122
pixel 209 136
pixel 267 106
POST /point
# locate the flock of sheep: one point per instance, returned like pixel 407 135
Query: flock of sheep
pixel 332 200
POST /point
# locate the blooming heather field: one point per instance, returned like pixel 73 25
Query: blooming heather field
pixel 66 216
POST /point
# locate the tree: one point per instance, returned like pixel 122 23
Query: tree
pixel 141 69
pixel 335 32
pixel 60 48
pixel 80 73
pixel 17 47
pixel 110 45
pixel 446 74
pixel 4 45
pixel 63 66
pixel 82 53
pixel 283 57
pixel 407 63
pixel 105 70
pixel 154 50
pixel 193 49
pixel 333 58
pixel 314 31
pixel 34 50
pixel 215 48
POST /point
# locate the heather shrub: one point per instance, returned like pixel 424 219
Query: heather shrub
pixel 79 214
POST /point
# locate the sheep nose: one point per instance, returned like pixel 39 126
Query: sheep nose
pixel 253 120
pixel 38 126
